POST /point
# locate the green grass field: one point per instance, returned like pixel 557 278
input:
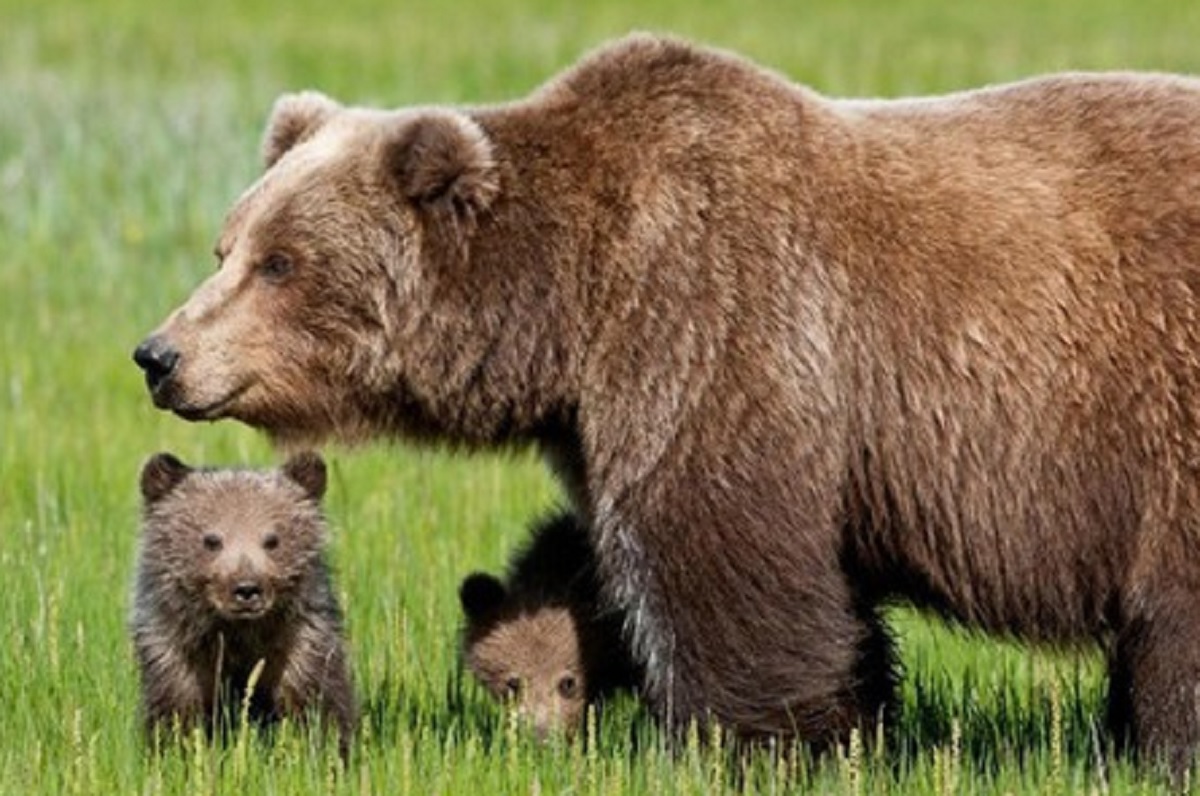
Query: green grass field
pixel 128 126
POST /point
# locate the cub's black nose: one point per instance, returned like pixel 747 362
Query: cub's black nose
pixel 157 359
pixel 247 591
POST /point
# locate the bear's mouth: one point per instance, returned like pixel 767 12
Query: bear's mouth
pixel 244 613
pixel 194 412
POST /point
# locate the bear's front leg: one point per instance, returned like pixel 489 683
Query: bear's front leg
pixel 744 616
pixel 1154 686
pixel 316 677
pixel 173 693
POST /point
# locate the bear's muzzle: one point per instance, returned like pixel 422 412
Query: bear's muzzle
pixel 158 360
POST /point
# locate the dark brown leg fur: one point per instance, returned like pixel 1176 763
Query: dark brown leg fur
pixel 835 673
pixel 318 674
pixel 1154 690
pixel 773 641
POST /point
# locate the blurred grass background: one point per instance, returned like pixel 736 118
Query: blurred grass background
pixel 126 129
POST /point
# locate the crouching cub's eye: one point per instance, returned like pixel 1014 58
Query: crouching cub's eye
pixel 211 541
pixel 275 266
pixel 270 541
pixel 568 687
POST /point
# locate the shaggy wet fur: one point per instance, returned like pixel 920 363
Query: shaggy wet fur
pixel 791 356
pixel 231 576
pixel 542 639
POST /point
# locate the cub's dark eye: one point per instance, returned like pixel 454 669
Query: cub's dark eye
pixel 512 687
pixel 212 541
pixel 270 541
pixel 275 266
pixel 568 687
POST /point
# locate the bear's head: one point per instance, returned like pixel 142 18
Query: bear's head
pixel 530 657
pixel 348 299
pixel 239 543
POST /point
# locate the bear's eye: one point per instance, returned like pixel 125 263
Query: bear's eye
pixel 512 687
pixel 275 266
pixel 270 541
pixel 568 687
pixel 212 541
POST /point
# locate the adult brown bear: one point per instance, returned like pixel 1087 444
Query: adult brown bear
pixel 790 356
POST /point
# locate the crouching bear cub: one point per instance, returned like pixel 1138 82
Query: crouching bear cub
pixel 542 639
pixel 232 579
pixel 791 356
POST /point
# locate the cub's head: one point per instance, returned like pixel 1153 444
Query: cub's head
pixel 530 657
pixel 319 320
pixel 239 542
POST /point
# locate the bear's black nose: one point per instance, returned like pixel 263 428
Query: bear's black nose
pixel 247 591
pixel 157 359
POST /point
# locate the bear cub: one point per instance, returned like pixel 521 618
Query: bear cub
pixel 233 585
pixel 542 639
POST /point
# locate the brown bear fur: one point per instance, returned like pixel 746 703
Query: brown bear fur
pixel 232 571
pixel 791 356
pixel 543 638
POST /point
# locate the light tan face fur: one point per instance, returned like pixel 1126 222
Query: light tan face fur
pixel 273 336
pixel 240 569
pixel 238 541
pixel 532 662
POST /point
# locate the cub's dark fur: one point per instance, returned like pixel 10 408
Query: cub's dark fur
pixel 542 638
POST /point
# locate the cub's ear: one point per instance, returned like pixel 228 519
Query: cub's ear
pixel 294 118
pixel 482 596
pixel 443 160
pixel 308 470
pixel 162 473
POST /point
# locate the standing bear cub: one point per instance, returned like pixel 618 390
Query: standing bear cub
pixel 792 357
pixel 542 639
pixel 233 586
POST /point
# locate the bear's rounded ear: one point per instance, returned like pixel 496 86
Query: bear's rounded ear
pixel 443 160
pixel 482 596
pixel 162 473
pixel 294 118
pixel 307 469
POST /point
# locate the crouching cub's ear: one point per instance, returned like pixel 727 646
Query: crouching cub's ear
pixel 443 162
pixel 482 596
pixel 294 119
